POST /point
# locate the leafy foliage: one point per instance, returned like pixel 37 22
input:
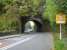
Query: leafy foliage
pixel 10 10
pixel 13 9
pixel 50 11
pixel 62 5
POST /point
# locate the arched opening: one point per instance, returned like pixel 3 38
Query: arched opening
pixel 40 24
pixel 30 28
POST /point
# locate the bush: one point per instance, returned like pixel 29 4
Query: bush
pixel 58 44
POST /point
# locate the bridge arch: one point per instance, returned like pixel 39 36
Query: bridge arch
pixel 37 20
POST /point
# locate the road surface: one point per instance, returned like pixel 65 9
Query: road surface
pixel 34 41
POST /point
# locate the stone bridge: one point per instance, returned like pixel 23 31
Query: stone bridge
pixel 42 25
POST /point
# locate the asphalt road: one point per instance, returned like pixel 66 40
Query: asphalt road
pixel 34 41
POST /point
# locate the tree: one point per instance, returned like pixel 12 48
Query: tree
pixel 11 10
pixel 62 5
pixel 50 10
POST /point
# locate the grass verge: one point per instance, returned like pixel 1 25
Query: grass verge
pixel 58 44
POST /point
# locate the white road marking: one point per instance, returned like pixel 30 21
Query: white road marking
pixel 0 43
pixel 17 43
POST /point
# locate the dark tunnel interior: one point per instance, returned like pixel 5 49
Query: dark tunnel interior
pixel 41 27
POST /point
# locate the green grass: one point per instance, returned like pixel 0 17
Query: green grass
pixel 58 44
pixel 65 41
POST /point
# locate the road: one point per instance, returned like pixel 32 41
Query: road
pixel 34 41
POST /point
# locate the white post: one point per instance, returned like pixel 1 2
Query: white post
pixel 60 32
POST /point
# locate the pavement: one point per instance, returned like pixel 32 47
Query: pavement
pixel 10 36
pixel 32 41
